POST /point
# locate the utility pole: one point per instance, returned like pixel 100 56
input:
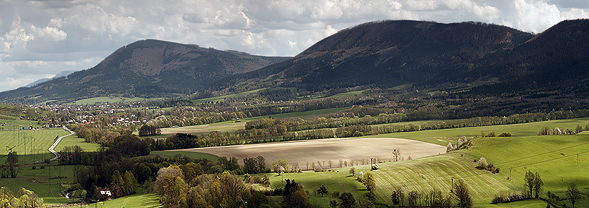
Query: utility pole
pixel 49 178
pixel 452 190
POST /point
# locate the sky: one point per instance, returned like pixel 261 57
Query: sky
pixel 41 38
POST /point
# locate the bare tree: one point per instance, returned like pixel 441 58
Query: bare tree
pixel 396 154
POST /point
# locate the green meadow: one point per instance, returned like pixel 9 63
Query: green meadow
pixel 525 151
pixel 346 94
pixel 558 159
pixel 233 125
pixel 30 144
pixel 46 181
pixel 186 153
pixel 93 100
pixel 223 97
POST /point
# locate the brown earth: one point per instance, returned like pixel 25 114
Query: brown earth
pixel 325 150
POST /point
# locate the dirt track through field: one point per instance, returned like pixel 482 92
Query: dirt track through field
pixel 334 150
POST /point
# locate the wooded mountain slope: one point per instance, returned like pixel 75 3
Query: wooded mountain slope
pixel 147 68
pixel 492 58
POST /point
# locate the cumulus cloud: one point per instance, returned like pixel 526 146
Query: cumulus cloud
pixel 42 38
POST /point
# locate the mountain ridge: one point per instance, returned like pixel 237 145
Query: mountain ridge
pixel 146 68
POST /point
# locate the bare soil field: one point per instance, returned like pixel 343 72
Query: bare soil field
pixel 325 150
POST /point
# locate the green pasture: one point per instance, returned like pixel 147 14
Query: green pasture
pixel 443 136
pixel 8 123
pixel 29 142
pixel 233 125
pixel 560 160
pixel 210 157
pixel 46 182
pixel 346 94
pixel 139 199
pixel 74 140
pixel 93 100
pixel 223 97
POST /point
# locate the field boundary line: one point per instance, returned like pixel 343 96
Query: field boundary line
pixel 57 142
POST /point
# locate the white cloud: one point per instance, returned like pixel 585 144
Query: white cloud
pixel 575 13
pixel 49 33
pixel 533 16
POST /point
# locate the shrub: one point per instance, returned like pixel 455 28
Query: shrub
pixel 505 134
pixel 491 134
pixel 490 167
pixel 335 194
pixel 482 164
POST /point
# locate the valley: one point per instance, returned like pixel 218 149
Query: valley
pixel 454 115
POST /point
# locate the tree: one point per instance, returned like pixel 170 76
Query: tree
pixel 348 200
pixel 463 195
pixel 395 197
pixel 353 171
pixel 333 203
pixel 369 181
pixel 257 199
pixel 12 162
pixel 7 199
pixel 529 179
pixel 322 190
pixel 280 163
pixel 130 183
pixel 573 193
pixel 29 199
pixel 538 185
pixel 396 154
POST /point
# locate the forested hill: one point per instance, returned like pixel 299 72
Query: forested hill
pixel 147 68
pixel 429 54
pixel 388 53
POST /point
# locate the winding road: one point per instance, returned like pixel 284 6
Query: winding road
pixel 57 142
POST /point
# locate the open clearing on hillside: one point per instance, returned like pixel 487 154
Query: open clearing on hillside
pixel 325 150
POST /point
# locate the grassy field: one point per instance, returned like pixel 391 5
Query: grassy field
pixel 232 125
pixel 11 123
pixel 74 140
pixel 33 141
pixel 107 99
pixel 139 199
pixel 210 157
pixel 345 94
pixel 547 155
pixel 44 182
pixel 221 98
pixel 443 136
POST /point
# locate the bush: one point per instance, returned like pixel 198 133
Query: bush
pixel 482 164
pixel 491 134
pixel 501 198
pixel 335 194
pixel 505 134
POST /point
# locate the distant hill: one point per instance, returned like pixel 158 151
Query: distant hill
pixel 147 68
pixel 61 74
pixel 483 57
pixel 387 53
